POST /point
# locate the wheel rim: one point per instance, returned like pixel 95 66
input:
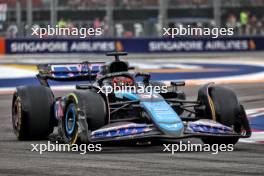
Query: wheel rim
pixel 16 114
pixel 70 119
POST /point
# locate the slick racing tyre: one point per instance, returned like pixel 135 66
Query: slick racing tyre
pixel 87 104
pixel 32 112
pixel 222 105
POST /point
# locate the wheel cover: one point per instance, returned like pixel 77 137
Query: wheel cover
pixel 16 115
pixel 70 119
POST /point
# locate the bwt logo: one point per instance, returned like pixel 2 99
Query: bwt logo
pixel 75 69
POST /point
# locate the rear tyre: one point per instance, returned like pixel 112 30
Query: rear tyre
pixel 222 105
pixel 32 112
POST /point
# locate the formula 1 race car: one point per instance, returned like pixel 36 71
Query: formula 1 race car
pixel 92 113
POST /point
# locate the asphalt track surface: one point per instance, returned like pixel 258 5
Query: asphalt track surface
pixel 16 158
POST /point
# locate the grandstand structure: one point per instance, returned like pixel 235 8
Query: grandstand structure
pixel 131 18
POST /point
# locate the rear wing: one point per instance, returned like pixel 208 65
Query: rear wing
pixel 68 72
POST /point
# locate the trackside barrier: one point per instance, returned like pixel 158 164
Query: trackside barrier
pixel 136 45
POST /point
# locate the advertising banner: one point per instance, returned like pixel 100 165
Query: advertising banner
pixel 141 45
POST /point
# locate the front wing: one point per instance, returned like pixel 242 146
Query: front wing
pixel 132 131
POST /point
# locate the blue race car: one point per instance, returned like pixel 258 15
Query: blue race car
pixel 96 111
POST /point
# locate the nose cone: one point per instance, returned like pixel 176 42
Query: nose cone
pixel 164 117
pixel 174 129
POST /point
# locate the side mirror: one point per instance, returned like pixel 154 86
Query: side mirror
pixel 177 83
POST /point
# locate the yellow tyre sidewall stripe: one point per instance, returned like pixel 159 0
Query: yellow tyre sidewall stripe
pixel 211 103
pixel 75 137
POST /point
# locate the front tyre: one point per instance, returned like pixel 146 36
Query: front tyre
pixel 69 123
pixel 90 107
pixel 222 105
